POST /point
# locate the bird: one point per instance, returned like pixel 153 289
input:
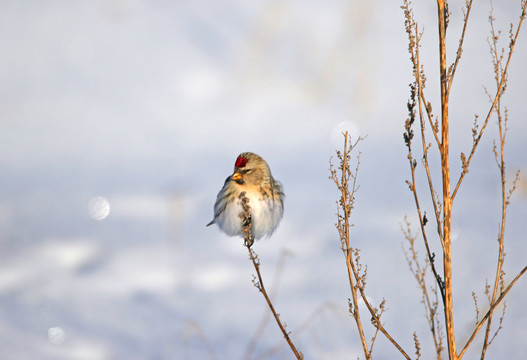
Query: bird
pixel 252 180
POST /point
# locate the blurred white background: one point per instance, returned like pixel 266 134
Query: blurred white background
pixel 120 121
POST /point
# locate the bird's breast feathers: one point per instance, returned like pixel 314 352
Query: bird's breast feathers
pixel 265 211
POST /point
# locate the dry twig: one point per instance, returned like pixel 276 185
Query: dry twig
pixel 258 281
pixel 420 273
pixel 267 316
pixel 346 181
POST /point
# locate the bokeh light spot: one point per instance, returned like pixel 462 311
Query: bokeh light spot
pixel 337 139
pixel 99 208
pixel 56 335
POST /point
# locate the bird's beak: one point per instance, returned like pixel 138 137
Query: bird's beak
pixel 236 176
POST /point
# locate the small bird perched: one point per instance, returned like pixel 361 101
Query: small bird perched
pixel 265 196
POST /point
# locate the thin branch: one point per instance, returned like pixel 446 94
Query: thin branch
pixel 499 91
pixel 355 277
pixel 378 323
pixel 346 201
pixel 408 136
pixel 382 307
pixel 266 316
pixel 505 195
pixel 474 296
pixel 318 312
pixel 425 147
pixel 249 239
pixel 414 38
pixel 501 165
pixel 420 273
pixel 453 67
pixel 489 312
pixel 417 346
pixel 192 328
pixel 500 326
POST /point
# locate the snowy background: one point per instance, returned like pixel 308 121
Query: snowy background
pixel 147 104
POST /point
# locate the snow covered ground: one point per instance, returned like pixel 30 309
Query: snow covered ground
pixel 147 105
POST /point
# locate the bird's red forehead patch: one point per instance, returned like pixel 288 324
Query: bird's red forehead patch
pixel 240 162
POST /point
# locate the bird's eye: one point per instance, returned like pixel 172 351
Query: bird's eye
pixel 248 171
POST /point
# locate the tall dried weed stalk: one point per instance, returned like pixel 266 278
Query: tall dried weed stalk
pixel 443 195
pixel 434 280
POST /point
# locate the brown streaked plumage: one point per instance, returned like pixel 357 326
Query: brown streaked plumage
pixel 265 194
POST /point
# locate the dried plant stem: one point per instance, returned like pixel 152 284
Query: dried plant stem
pixel 423 220
pixel 420 274
pixel 501 254
pixel 355 308
pixel 266 316
pixel 452 70
pixel 497 96
pixel 502 126
pixel 445 175
pixel 261 287
pixel 377 323
pixel 249 240
pixel 501 82
pixel 490 311
pixel 192 328
pixel 443 206
pixel 414 40
pixel 348 251
pixel 346 182
pixel 319 312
